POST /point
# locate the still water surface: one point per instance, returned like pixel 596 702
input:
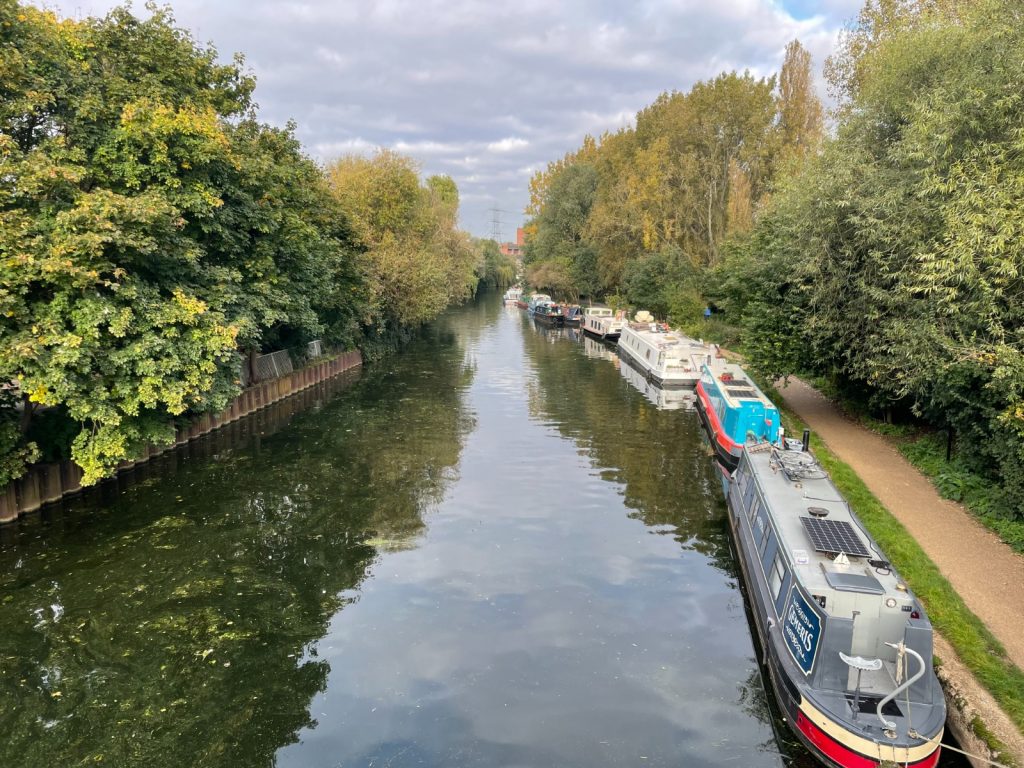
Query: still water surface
pixel 489 550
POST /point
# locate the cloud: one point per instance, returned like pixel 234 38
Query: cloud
pixel 481 90
pixel 511 144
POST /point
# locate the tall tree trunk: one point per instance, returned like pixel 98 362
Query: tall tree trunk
pixel 251 362
pixel 27 409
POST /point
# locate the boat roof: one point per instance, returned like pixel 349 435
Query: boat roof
pixel 812 520
pixel 736 386
pixel 602 311
pixel 663 340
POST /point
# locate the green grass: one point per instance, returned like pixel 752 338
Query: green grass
pixel 714 330
pixel 973 642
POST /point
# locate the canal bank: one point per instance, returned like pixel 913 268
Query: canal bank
pixel 48 483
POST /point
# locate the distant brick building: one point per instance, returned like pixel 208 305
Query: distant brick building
pixel 515 250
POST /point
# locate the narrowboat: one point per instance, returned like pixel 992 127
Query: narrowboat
pixel 572 315
pixel 513 295
pixel 547 313
pixel 602 323
pixel 664 356
pixel 733 410
pixel 537 298
pixel 847 645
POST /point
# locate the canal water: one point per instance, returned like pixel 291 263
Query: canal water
pixel 489 550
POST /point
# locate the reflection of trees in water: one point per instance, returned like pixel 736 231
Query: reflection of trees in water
pixel 657 456
pixel 178 626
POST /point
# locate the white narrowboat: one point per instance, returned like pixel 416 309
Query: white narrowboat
pixel 666 357
pixel 602 323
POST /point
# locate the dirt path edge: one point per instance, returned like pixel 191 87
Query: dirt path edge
pixel 969 704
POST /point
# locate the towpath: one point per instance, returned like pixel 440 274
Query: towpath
pixel 986 573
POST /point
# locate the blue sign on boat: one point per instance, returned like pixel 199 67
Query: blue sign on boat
pixel 801 627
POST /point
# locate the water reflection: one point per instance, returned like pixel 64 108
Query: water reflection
pixel 175 622
pixel 663 399
pixel 599 350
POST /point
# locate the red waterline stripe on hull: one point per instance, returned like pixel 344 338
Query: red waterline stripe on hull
pixel 716 425
pixel 844 756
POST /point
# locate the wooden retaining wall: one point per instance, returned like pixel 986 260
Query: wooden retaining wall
pixel 46 483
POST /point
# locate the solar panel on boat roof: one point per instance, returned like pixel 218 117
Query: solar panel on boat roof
pixel 741 391
pixel 834 536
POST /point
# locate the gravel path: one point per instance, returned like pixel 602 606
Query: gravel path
pixel 987 574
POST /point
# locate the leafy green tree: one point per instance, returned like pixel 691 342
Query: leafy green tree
pixel 893 260
pixel 150 229
pixel 494 270
pixel 417 260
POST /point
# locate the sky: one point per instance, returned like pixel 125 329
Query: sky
pixel 486 91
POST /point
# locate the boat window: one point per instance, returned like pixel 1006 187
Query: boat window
pixel 776 578
pixel 755 508
pixel 760 530
pixel 748 494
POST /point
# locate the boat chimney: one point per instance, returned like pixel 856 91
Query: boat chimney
pixel 807 440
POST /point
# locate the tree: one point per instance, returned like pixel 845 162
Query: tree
pixel 801 116
pixel 418 262
pixel 150 228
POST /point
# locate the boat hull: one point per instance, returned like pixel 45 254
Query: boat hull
pixel 683 381
pixel 726 451
pixel 549 320
pixel 613 336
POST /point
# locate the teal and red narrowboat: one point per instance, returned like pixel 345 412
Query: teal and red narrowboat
pixel 734 411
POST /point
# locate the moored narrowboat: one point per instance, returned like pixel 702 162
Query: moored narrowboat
pixel 666 357
pixel 602 323
pixel 572 315
pixel 847 645
pixel 536 299
pixel 734 411
pixel 547 313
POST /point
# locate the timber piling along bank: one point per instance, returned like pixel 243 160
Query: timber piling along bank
pixel 47 483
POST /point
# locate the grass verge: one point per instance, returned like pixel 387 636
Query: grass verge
pixel 976 646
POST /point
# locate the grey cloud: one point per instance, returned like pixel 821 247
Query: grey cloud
pixel 487 92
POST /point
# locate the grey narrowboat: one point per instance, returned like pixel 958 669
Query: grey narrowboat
pixel 847 645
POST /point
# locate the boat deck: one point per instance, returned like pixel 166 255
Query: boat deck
pixel 814 524
pixel 739 386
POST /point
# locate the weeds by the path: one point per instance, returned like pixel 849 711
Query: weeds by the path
pixel 976 646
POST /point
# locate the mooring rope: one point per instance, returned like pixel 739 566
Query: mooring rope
pixel 914 734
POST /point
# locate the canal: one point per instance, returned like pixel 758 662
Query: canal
pixel 489 550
